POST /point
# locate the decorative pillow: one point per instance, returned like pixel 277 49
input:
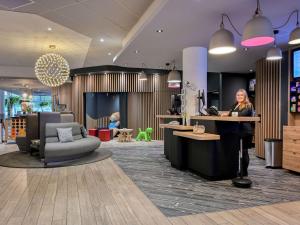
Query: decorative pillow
pixel 83 132
pixel 65 134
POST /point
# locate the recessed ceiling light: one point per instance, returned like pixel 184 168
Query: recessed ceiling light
pixel 49 29
pixel 137 51
pixel 251 70
pixel 109 53
pixel 101 39
pixel 159 30
pixel 52 46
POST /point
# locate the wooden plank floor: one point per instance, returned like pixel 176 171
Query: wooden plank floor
pixel 101 193
pixel 283 214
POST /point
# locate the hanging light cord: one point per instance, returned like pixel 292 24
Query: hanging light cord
pixel 258 10
pixel 289 18
pixel 222 24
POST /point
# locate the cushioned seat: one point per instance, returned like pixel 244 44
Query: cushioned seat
pixel 57 151
pixel 78 147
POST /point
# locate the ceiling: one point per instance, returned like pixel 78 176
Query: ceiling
pixel 77 27
pixel 127 26
pixel 192 22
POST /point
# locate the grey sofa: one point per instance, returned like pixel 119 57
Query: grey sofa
pixel 56 151
pixel 35 128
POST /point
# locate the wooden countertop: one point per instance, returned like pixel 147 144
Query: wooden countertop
pixel 199 137
pixel 228 118
pixel 176 127
pixel 169 116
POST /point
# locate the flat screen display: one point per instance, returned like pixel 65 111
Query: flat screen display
pixel 296 64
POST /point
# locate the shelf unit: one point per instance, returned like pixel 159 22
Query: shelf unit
pixel 15 127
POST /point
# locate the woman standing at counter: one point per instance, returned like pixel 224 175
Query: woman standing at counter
pixel 243 107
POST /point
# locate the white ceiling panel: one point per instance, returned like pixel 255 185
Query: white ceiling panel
pixel 26 37
pixel 86 22
pixel 192 22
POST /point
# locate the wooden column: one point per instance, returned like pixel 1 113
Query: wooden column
pixel 268 103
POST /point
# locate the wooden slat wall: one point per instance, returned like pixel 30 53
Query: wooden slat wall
pixel 152 96
pixel 63 95
pixel 96 123
pixel 267 101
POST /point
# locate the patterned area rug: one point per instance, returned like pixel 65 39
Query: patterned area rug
pixel 178 193
pixel 19 159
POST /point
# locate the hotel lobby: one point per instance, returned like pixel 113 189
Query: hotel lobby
pixel 163 112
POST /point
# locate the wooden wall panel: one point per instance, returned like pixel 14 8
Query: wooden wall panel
pixel 267 101
pixel 63 94
pixel 146 98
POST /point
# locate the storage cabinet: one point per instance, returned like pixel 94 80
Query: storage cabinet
pixel 291 148
pixel 15 126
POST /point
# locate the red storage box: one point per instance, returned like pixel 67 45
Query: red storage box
pixel 104 135
pixel 93 132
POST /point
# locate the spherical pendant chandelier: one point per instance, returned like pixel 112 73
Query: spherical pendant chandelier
pixel 52 70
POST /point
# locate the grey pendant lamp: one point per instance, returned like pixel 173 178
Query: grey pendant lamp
pixel 222 41
pixel 275 52
pixel 142 75
pixel 258 31
pixel 174 76
pixel 295 34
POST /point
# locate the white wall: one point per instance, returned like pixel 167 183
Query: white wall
pixel 195 72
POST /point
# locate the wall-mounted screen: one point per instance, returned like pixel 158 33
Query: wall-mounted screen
pixel 296 63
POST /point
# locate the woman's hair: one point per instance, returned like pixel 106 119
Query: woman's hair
pixel 246 103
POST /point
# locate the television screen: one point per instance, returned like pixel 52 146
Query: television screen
pixel 296 63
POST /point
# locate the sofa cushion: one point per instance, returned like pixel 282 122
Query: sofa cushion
pixel 65 134
pixel 77 137
pixel 52 139
pixel 52 132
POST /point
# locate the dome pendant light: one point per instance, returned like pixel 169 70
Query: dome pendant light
pixel 295 34
pixel 275 52
pixel 174 76
pixel 258 31
pixel 142 76
pixel 222 41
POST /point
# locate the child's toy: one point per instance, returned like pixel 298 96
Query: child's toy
pixel 145 135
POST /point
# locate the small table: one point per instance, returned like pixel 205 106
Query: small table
pixel 125 135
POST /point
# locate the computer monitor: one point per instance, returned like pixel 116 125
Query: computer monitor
pixel 176 103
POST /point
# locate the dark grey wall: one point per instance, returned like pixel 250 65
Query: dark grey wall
pixel 231 83
pixel 102 104
pixel 214 90
pixel 284 88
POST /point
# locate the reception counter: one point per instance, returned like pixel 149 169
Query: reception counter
pixel 212 155
pixel 171 142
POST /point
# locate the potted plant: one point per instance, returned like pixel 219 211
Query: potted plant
pixel 43 104
pixel 10 102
